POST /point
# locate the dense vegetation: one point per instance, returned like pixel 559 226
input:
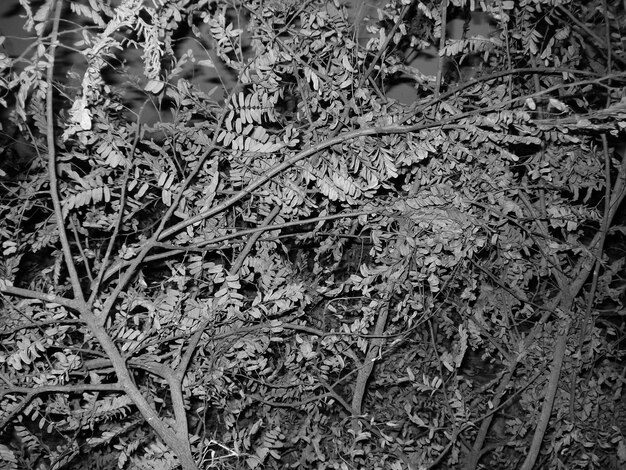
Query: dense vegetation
pixel 225 246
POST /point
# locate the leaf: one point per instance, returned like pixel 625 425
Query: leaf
pixel 154 86
pixel 462 348
pixel 621 451
pixel 558 105
pixel 208 63
pixel 80 114
pixel 43 12
pixel 7 457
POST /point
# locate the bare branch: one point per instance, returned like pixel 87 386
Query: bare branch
pixel 33 294
pixel 52 163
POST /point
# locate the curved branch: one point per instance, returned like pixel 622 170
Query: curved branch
pixel 398 128
pixel 33 392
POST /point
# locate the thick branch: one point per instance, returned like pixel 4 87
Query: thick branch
pixel 180 444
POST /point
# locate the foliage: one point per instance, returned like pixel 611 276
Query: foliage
pixel 224 245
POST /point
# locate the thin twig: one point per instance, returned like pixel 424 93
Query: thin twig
pixel 81 251
pixel 158 234
pixel 591 34
pixel 607 37
pixel 341 138
pixel 33 294
pixel 213 244
pixel 420 107
pixel 66 388
pixel 41 324
pixel 52 164
pixel 32 392
pixel 176 378
pixel 95 286
pixel 383 47
pixel 442 45
pixel 587 320
pixel 236 266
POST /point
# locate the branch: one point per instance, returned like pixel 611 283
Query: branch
pixel 155 368
pixel 267 228
pixel 33 294
pixel 40 324
pixel 607 37
pixel 544 248
pixel 81 251
pixel 214 243
pixel 52 166
pixel 149 413
pixel 395 129
pixel 442 44
pixel 68 388
pixel 398 128
pixel 419 107
pixel 32 392
pixel 95 286
pixel 372 352
pixel 269 325
pixel 175 438
pixel 548 403
pixel 476 453
pixel 603 46
pixel 150 243
pixel 298 405
pixel 176 378
pixel 477 449
pixel 587 319
pixel 234 269
pixel 585 266
pixel 331 391
pixel 383 48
